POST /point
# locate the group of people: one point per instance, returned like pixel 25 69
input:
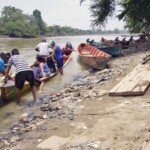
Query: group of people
pixel 49 55
pixel 45 61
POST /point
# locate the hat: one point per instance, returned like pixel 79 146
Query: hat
pixel 52 42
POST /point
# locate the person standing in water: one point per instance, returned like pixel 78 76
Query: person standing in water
pixel 23 73
pixel 57 53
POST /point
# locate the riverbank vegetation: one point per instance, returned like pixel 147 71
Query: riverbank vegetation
pixel 135 13
pixel 14 23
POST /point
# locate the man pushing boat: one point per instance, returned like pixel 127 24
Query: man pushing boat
pixel 23 73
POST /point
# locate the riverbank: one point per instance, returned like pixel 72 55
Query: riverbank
pixel 83 116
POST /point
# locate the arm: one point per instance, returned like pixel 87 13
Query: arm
pixel 7 73
pixel 53 53
pixel 49 56
pixel 42 68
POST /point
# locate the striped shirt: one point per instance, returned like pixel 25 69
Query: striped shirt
pixel 19 63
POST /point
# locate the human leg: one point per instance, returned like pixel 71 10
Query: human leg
pixel 19 83
pixel 60 71
pixel 34 92
pixel 41 83
pixel 60 65
pixel 18 95
pixel 51 64
pixel 29 76
pixel 41 87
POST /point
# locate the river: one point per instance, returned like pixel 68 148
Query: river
pixel 11 111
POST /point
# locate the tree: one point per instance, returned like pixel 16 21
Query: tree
pixel 16 24
pixel 11 14
pixel 135 13
pixel 39 21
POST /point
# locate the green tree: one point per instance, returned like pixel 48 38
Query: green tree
pixel 16 24
pixel 11 14
pixel 135 13
pixel 39 21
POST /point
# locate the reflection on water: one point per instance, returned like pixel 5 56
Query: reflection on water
pixel 11 111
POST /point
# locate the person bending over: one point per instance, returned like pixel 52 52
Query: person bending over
pixel 43 65
pixel 38 75
pixel 23 73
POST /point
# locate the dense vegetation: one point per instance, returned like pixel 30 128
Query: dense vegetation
pixel 135 13
pixel 14 23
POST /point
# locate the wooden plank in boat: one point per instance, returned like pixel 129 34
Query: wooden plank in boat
pixel 85 53
pixel 8 84
pixel 88 55
pixel 135 83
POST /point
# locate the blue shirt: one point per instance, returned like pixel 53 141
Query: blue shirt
pixel 46 68
pixel 2 67
pixel 58 53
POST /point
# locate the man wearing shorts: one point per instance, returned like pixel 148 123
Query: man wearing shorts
pixel 23 73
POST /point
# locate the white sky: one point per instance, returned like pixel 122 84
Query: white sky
pixel 60 12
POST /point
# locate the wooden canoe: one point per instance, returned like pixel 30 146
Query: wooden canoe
pixel 92 56
pixel 114 50
pixel 8 90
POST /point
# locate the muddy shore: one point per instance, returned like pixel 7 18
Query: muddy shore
pixel 82 116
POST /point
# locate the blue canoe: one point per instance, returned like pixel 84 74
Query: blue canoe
pixel 114 50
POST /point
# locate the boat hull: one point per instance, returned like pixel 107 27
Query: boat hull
pixel 93 56
pixel 97 63
pixel 114 50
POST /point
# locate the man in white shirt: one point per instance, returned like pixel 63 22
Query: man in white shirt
pixel 44 50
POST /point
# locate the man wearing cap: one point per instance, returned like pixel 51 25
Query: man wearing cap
pixel 44 50
pixel 57 53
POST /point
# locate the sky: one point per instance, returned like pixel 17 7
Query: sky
pixel 61 12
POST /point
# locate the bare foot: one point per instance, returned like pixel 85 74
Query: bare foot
pixel 35 105
pixel 41 91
